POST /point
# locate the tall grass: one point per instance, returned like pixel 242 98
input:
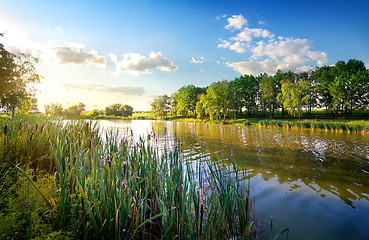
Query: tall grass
pixel 336 126
pixel 108 186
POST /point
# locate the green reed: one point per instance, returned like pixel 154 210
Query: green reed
pixel 336 126
pixel 108 186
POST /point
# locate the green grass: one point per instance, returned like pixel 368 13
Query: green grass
pixel 357 126
pixel 92 184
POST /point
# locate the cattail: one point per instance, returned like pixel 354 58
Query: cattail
pixel 42 127
pixel 86 130
pixel 31 136
pixel 5 129
pixel 36 126
pixel 20 126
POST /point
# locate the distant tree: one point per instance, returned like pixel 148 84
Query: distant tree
pixel 126 110
pixel 29 105
pixel 244 93
pixel 201 106
pixel 55 109
pixel 75 110
pixel 349 86
pixel 218 100
pixel 186 99
pixel 160 106
pixel 294 96
pixel 268 93
pixel 17 74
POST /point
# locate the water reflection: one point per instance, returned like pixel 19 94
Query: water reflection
pixel 325 162
pixel 315 183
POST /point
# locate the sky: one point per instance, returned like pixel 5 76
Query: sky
pixel 129 52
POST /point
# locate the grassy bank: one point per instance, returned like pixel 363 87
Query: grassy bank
pixel 338 125
pixel 62 180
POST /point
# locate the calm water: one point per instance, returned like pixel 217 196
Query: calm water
pixel 315 183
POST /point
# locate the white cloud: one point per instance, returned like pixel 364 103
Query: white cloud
pixel 135 63
pixel 367 65
pixel 236 22
pixel 113 89
pixel 248 34
pixel 244 67
pixel 238 47
pixel 270 53
pixel 261 22
pixel 200 60
pixel 76 53
pixel 58 28
pixel 113 58
pixel 224 44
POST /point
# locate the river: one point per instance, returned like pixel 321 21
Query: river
pixel 315 183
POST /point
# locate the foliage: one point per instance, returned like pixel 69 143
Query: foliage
pixel 160 106
pixel 17 74
pixel 119 110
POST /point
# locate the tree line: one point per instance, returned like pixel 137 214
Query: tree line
pixel 339 89
pixel 116 110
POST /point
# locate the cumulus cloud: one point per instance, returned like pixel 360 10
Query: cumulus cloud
pixel 248 34
pixel 200 60
pixel 122 90
pixel 236 22
pixel 135 63
pixel 261 22
pixel 76 53
pixel 268 53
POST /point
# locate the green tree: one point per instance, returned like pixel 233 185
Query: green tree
pixel 160 106
pixel 75 110
pixel 268 93
pixel 218 100
pixel 186 99
pixel 126 110
pixel 17 76
pixel 55 109
pixel 201 106
pixel 294 96
pixel 244 93
pixel 349 86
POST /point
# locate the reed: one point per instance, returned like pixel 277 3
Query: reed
pixel 108 186
pixel 336 126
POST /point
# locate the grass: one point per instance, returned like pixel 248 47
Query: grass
pixel 79 182
pixel 323 125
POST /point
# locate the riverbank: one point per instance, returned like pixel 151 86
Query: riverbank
pixel 335 125
pixel 60 180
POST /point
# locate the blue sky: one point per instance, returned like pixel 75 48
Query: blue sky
pixel 104 52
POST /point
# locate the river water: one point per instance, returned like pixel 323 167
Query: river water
pixel 315 183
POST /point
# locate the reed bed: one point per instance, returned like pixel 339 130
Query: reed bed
pixel 336 126
pixel 102 185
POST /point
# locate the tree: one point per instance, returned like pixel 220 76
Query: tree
pixel 126 110
pixel 294 96
pixel 244 92
pixel 218 99
pixel 17 74
pixel 201 106
pixel 75 110
pixel 55 109
pixel 268 93
pixel 349 86
pixel 160 106
pixel 186 99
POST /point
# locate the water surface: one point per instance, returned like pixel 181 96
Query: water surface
pixel 315 183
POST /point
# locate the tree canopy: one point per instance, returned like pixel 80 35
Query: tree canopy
pixel 340 88
pixel 17 75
